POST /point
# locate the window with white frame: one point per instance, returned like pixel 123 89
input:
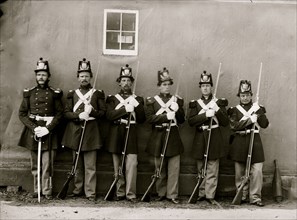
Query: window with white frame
pixel 120 32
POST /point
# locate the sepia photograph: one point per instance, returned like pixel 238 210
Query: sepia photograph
pixel 148 109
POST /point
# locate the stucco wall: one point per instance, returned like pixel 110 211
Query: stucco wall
pixel 198 34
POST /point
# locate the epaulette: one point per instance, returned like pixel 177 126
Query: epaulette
pixel 70 94
pixel 26 92
pixel 101 94
pixel 177 96
pixel 230 110
pixel 263 108
pixel 139 99
pixel 193 104
pixel 150 100
pixel 222 102
pixel 109 98
pixel 57 90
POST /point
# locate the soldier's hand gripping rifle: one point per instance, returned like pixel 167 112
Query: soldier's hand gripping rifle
pixel 246 177
pixel 146 197
pixel 202 172
pixel 110 193
pixel 62 194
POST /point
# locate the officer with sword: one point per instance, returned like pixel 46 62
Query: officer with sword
pixel 41 111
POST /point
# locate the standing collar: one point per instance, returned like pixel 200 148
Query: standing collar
pixel 42 87
pixel 247 105
pixel 209 97
pixel 125 93
pixel 163 95
pixel 87 87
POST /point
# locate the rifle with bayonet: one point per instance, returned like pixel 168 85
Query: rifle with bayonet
pixel 202 172
pixel 110 193
pixel 62 194
pixel 246 177
pixel 146 196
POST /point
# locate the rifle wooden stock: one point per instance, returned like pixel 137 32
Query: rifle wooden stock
pixel 146 196
pixel 245 178
pixel 112 189
pixel 109 195
pixel 193 198
pixel 238 196
pixel 63 193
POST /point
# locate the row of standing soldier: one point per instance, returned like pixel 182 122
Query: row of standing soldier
pixel 41 111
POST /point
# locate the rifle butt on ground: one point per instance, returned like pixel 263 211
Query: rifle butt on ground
pixel 112 189
pixel 63 193
pixel 147 196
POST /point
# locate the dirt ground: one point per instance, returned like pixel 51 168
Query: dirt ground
pixel 19 205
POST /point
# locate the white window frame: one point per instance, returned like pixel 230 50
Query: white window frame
pixel 120 51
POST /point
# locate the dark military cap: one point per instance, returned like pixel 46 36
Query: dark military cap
pixel 163 75
pixel 125 71
pixel 205 78
pixel 84 66
pixel 42 65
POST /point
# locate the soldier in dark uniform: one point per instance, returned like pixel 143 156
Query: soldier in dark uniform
pixel 41 111
pixel 84 104
pixel 242 118
pixel 119 107
pixel 161 109
pixel 201 112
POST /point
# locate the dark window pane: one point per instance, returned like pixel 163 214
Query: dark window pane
pixel 112 40
pixel 113 21
pixel 128 22
pixel 128 41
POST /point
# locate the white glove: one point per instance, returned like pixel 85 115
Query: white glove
pixel 256 106
pixel 129 108
pixel 88 108
pixel 83 116
pixel 170 115
pixel 174 106
pixel 41 131
pixel 254 118
pixel 133 102
pixel 210 113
